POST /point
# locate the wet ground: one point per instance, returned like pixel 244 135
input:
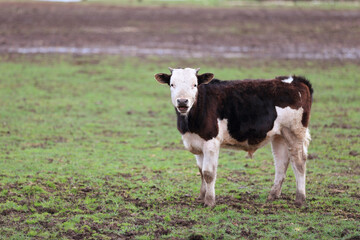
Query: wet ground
pixel 40 27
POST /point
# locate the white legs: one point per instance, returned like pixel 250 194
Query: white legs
pixel 288 147
pixel 300 174
pixel 291 147
pixel 281 157
pixel 207 164
pixel 199 162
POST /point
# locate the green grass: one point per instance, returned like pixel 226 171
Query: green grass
pixel 89 149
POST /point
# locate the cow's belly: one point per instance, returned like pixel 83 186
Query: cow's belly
pixel 286 117
pixel 229 142
pixel 244 145
pixel 195 144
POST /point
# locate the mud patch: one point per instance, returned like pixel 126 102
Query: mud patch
pixel 354 153
pixel 188 51
pixel 341 125
pixel 196 237
pixel 287 33
pixel 182 222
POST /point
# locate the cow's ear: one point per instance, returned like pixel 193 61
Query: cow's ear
pixel 163 78
pixel 205 78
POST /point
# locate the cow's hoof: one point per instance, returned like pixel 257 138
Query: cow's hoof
pixel 200 199
pixel 300 200
pixel 300 203
pixel 271 197
pixel 212 204
pixel 209 201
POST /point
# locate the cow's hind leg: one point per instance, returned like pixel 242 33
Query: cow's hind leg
pixel 297 151
pixel 281 159
pixel 211 155
pixel 199 161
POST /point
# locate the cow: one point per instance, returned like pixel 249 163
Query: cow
pixel 246 115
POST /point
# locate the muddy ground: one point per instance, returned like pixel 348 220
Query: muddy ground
pixel 183 32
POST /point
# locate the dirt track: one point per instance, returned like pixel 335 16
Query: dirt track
pixel 182 32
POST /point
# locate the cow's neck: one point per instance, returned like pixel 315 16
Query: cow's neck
pixel 201 118
pixel 187 123
pixel 182 123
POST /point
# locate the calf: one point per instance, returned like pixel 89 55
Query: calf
pixel 242 114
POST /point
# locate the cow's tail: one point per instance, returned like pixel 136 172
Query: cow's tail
pixel 306 142
pixel 306 82
pixel 307 137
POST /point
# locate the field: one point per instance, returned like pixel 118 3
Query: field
pixel 90 149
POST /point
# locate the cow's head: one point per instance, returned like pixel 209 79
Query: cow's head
pixel 184 84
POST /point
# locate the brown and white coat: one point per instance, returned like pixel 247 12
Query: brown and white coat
pixel 242 114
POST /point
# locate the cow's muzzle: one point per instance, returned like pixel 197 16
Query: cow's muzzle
pixel 182 105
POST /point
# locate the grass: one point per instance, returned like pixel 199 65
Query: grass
pixel 89 149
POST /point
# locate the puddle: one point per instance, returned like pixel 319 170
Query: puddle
pixel 199 52
pixel 85 0
pixel 58 1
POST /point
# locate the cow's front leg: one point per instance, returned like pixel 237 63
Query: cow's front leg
pixel 211 155
pixel 199 162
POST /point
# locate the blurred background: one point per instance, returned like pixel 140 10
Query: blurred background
pixel 184 29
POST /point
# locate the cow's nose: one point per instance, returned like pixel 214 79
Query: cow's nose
pixel 182 102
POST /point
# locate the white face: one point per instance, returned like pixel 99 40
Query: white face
pixel 183 87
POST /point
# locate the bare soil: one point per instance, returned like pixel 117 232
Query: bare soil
pixel 184 32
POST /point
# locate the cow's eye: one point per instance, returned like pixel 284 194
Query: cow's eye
pixel 195 85
pixel 171 85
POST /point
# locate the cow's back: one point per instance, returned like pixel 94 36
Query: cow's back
pixel 250 107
